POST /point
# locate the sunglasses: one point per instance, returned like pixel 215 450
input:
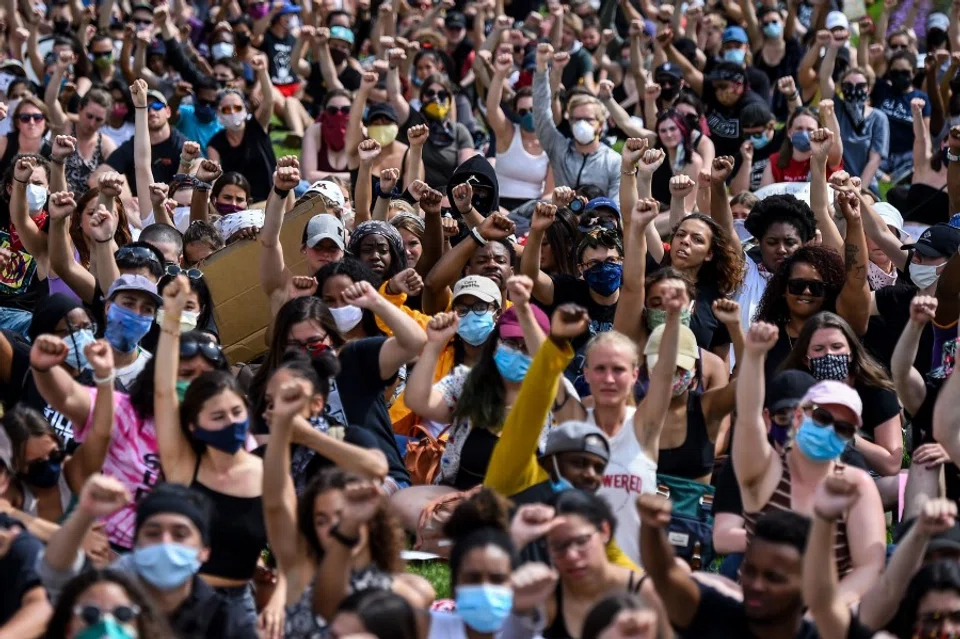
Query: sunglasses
pixel 227 109
pixel 824 418
pixel 440 95
pixel 27 117
pixel 333 110
pixel 143 23
pixel 92 615
pixel 101 54
pixel 138 253
pixel 174 270
pixel 209 349
pixel 157 105
pixel 850 87
pixel 800 286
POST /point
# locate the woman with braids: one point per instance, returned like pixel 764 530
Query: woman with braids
pixel 380 246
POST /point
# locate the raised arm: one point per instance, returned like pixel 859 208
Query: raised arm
pixel 544 215
pixel 419 394
pixel 921 135
pixel 309 35
pixel 619 115
pixel 911 389
pixel 821 142
pixel 880 234
pixel 946 418
pixel 752 454
pixel 628 318
pixel 692 75
pixel 648 422
pixel 495 116
pixel 370 463
pixel 354 130
pixel 177 457
pixel 33 239
pixel 551 139
pixel 827 86
pixel 142 150
pixel 719 204
pixel 408 338
pixel 265 111
pixel 89 456
pixel 273 269
pixel 367 151
pixel 208 172
pixel 51 97
pixel 414 170
pixel 57 388
pixel 103 228
pixel 853 302
pixel 828 119
pixel 79 279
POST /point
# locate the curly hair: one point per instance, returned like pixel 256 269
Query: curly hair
pixel 773 305
pixel 480 521
pixel 725 270
pixel 781 208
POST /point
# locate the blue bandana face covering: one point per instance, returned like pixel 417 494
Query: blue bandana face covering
pixel 125 328
pixel 511 363
pixel 604 278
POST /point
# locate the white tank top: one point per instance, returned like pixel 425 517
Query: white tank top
pixel 520 174
pixel 629 473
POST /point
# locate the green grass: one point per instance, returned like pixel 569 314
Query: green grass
pixel 278 133
pixel 436 572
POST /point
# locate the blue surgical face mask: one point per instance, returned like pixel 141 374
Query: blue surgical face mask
pixel 800 140
pixel 77 341
pixel 166 566
pixel 125 328
pixel 562 483
pixel 484 607
pixel 106 628
pixel 759 140
pixel 772 30
pixel 819 443
pixel 228 440
pixel 511 363
pixel 526 122
pixel 604 278
pixel 735 55
pixel 475 328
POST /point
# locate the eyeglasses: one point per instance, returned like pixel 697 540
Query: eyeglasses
pixel 342 110
pixel 592 263
pixel 101 54
pixel 92 615
pixel 174 270
pixel 136 253
pixel 442 95
pixel 312 347
pixel 209 349
pixel 479 308
pixel 578 543
pixel 56 457
pixel 157 105
pixel 28 117
pixel 75 328
pixel 227 109
pixel 824 418
pixel 799 286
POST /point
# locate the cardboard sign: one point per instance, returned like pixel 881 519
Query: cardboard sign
pixel 241 308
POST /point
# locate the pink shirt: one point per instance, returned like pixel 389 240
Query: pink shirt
pixel 132 459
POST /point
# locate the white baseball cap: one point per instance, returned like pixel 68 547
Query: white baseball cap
pixel 482 288
pixel 837 20
pixel 330 192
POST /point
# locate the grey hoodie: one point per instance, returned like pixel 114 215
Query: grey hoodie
pixel 570 167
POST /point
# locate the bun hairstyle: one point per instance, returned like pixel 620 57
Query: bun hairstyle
pixel 317 369
pixel 483 520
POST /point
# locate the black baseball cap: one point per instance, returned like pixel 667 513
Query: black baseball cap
pixel 668 69
pixel 381 109
pixel 940 240
pixel 455 20
pixel 728 72
pixel 755 114
pixel 786 389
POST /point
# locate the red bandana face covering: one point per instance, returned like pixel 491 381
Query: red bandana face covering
pixel 15 244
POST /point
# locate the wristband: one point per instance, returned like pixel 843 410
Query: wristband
pixel 102 381
pixel 633 172
pixel 139 107
pixel 349 542
pixel 202 186
pixel 951 157
pixel 475 234
pixel 19 180
pixel 792 97
pixel 56 161
pixel 281 192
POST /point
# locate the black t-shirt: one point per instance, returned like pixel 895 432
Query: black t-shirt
pixel 788 65
pixel 356 399
pixel 165 159
pixel 709 331
pixel 253 158
pixel 316 90
pixel 727 498
pixel 893 305
pixel 19 568
pixel 475 458
pixel 279 52
pixel 581 63
pixel 724 122
pixel 879 405
pixel 721 617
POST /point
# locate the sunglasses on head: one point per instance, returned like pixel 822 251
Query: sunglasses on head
pixel 92 615
pixel 209 349
pixel 800 286
pixel 824 418
pixel 136 252
pixel 440 95
pixel 174 270
pixel 333 110
pixel 27 117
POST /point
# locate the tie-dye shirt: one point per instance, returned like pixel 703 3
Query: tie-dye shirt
pixel 132 459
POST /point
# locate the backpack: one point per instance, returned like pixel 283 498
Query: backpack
pixel 422 459
pixel 691 527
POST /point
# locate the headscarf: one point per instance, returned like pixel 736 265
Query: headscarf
pixel 390 233
pixel 48 313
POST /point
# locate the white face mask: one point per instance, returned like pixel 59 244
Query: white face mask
pixel 583 132
pixel 347 317
pixel 36 197
pixel 924 275
pixel 221 50
pixel 188 320
pixel 233 121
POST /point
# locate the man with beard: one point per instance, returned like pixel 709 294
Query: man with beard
pixel 771 576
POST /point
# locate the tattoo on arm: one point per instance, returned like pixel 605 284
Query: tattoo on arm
pixel 851 252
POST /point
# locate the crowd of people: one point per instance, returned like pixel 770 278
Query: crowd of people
pixel 628 319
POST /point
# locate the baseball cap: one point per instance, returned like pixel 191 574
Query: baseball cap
pixel 341 33
pixel 687 355
pixel 13 66
pixel 602 203
pixel 890 216
pixel 134 283
pixel 786 389
pixel 837 20
pixel 508 326
pixel 156 95
pixel 668 69
pixel 755 114
pixel 330 192
pixel 288 7
pixel 455 20
pixel 381 109
pixel 938 21
pixel 735 34
pixel 577 437
pixel 157 47
pixel 482 288
pixel 831 393
pixel 324 227
pixel 940 240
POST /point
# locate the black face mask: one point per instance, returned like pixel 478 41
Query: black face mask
pixel 242 40
pixel 900 80
pixel 669 92
pixel 61 25
pixel 339 56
